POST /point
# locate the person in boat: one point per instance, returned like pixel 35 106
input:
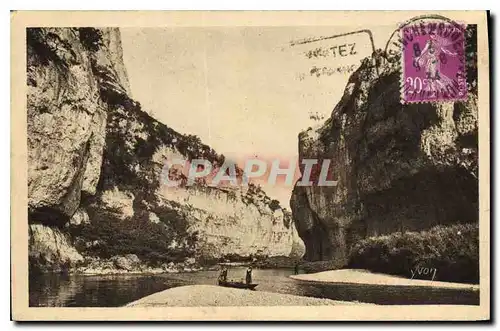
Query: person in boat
pixel 223 275
pixel 249 275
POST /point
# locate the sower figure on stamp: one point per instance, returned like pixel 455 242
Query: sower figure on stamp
pixel 431 58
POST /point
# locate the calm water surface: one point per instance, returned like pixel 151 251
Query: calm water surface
pixel 55 290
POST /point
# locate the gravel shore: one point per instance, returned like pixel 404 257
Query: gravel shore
pixel 209 295
pixel 357 276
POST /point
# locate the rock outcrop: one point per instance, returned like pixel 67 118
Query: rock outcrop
pixel 207 222
pixel 399 167
pixel 96 163
pixel 50 249
pixel 66 124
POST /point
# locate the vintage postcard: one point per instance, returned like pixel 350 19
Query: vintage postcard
pixel 250 166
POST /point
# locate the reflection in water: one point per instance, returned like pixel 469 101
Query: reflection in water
pixel 117 290
pixel 391 295
pixel 54 290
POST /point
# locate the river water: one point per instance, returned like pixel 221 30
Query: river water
pixel 56 290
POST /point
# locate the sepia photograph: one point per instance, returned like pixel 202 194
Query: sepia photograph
pixel 242 161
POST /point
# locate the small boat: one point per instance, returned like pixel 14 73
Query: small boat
pixel 238 285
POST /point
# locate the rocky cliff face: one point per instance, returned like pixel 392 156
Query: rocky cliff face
pixel 399 167
pixel 96 161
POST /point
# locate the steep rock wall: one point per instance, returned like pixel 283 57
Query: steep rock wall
pixel 399 167
pixel 95 165
pixel 206 222
pixel 66 125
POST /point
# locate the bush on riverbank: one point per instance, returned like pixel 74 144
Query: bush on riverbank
pixel 452 250
pixel 319 266
pixel 154 243
pixel 276 262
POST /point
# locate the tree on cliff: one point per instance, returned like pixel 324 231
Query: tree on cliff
pixel 90 38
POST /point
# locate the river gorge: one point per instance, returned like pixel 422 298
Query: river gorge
pixel 406 174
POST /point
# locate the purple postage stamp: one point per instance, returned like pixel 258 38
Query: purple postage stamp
pixel 433 63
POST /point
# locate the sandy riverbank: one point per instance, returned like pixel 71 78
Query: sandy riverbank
pixel 365 277
pixel 209 295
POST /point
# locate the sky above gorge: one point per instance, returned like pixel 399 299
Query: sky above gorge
pixel 245 91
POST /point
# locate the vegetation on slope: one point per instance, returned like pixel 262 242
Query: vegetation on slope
pixel 452 250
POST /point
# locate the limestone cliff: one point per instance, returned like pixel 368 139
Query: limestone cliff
pixel 399 167
pixel 95 161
